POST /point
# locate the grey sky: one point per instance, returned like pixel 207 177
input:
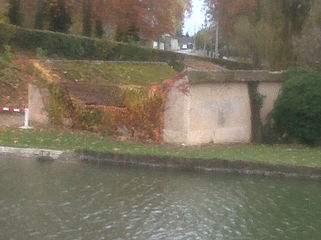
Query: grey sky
pixel 194 23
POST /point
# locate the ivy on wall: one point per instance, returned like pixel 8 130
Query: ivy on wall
pixel 256 104
pixel 142 114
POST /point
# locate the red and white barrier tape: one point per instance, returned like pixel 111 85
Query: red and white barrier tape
pixel 10 109
pixel 19 110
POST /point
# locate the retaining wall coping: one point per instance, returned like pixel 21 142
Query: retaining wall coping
pixel 183 163
pixel 198 77
pixel 100 62
pixel 30 152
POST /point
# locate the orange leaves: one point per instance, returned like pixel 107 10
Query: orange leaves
pixel 142 114
pixel 152 18
pixel 144 110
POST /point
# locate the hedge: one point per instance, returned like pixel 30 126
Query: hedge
pixel 297 111
pixel 78 47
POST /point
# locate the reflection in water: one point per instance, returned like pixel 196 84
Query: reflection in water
pixel 84 201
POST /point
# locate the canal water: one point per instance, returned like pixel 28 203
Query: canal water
pixel 84 201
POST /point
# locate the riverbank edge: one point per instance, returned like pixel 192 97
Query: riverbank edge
pixel 173 162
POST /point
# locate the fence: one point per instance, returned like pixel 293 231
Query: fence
pixel 19 110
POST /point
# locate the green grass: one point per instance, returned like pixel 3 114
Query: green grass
pixel 108 73
pixel 52 139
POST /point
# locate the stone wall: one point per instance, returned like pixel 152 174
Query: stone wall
pixel 217 106
pixel 176 117
pixel 202 107
pixel 36 104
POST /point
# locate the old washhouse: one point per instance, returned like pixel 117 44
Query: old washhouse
pixel 217 106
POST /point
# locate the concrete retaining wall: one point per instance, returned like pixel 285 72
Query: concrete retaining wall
pixel 30 153
pixel 219 113
pixel 217 106
pixel 202 107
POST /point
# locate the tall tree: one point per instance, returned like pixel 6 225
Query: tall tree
pixel 100 10
pixel 148 18
pixel 132 19
pixel 262 29
pixel 307 46
pixel 99 31
pixel 15 12
pixel 41 14
pixel 87 18
pixel 59 15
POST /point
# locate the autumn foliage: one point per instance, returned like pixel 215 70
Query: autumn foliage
pixel 143 19
pixel 148 18
pixel 142 115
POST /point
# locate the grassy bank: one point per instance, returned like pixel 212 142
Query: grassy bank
pixel 272 154
pixel 110 73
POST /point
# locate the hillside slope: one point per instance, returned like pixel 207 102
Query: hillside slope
pixel 14 76
pixel 109 73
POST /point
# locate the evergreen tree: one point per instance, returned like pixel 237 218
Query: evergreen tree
pixel 87 16
pixel 14 13
pixel 40 15
pixel 59 16
pixel 99 29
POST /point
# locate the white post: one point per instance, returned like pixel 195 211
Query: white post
pixel 26 124
pixel 26 118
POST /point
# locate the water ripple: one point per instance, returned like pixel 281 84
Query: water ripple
pixel 83 201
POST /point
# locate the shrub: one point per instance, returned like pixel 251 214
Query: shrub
pixel 6 57
pixel 61 106
pixel 40 53
pixel 7 33
pixel 15 12
pixel 297 111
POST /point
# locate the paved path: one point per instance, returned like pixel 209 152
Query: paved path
pixel 203 66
